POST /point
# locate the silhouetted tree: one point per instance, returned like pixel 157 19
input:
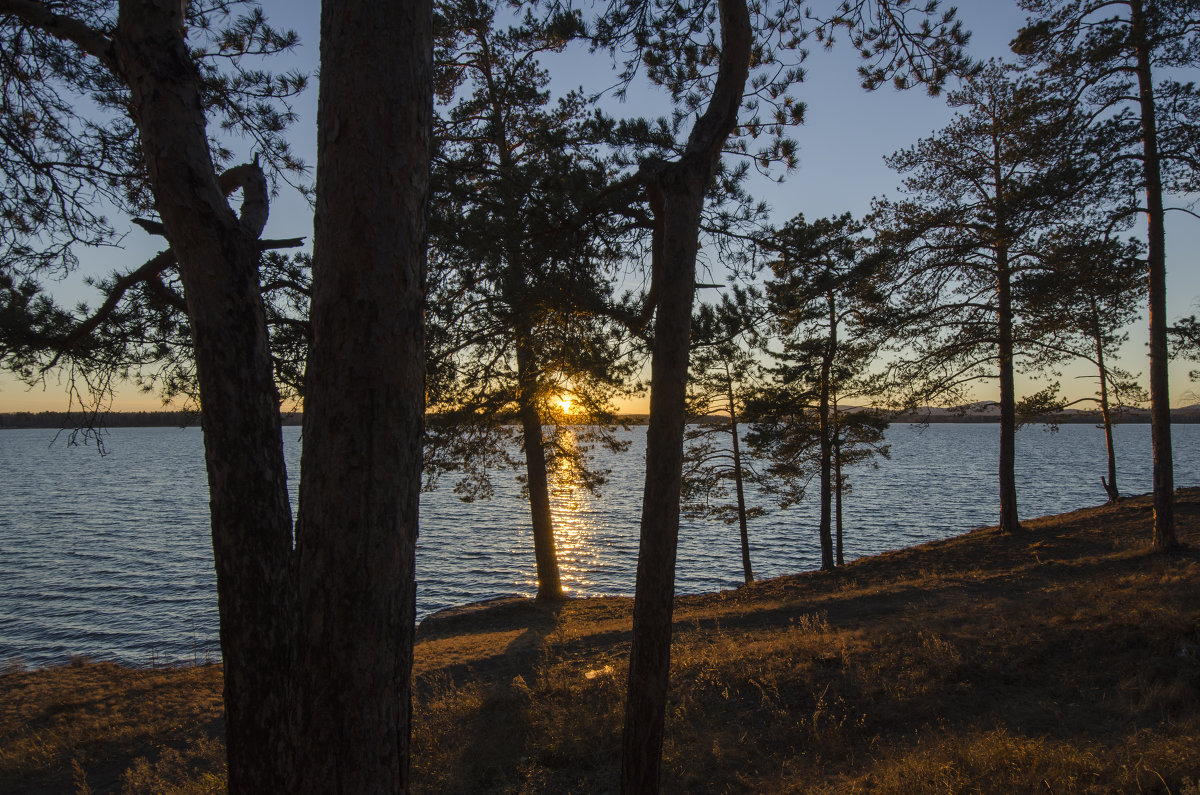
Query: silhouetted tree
pixel 526 242
pixel 65 172
pixel 713 58
pixel 858 438
pixel 1186 339
pixel 1108 52
pixel 722 378
pixel 364 401
pixel 1013 163
pixel 118 97
pixel 1079 307
pixel 150 149
pixel 822 289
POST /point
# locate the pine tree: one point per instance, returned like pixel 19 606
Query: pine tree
pixel 1011 165
pixel 122 101
pixel 727 67
pixel 1079 308
pixel 525 244
pixel 822 290
pixel 722 380
pixel 1112 55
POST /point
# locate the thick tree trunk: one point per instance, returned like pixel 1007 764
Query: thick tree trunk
pixel 1156 255
pixel 650 657
pixel 747 571
pixel 679 188
pixel 218 265
pixel 1008 397
pixel 549 580
pixel 364 405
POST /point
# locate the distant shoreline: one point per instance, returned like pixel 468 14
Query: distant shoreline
pixel 61 420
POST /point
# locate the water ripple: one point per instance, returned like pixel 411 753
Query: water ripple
pixel 110 556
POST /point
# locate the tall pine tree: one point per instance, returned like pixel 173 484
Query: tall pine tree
pixel 1118 57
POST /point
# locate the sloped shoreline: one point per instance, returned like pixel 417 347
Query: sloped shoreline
pixel 1066 656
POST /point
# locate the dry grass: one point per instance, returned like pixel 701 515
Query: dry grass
pixel 1063 659
pixel 99 727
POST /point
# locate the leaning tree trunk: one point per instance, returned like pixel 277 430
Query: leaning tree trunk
pixel 738 481
pixel 1110 484
pixel 1156 256
pixel 678 191
pixel 549 579
pixel 364 404
pixel 218 266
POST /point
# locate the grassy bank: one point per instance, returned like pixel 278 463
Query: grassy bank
pixel 1063 659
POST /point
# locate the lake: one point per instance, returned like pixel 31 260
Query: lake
pixel 109 556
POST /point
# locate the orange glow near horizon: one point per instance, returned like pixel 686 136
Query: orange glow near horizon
pixel 17 397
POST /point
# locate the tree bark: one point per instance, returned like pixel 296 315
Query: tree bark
pixel 549 579
pixel 250 514
pixel 1008 397
pixel 678 190
pixel 1164 538
pixel 649 664
pixel 364 406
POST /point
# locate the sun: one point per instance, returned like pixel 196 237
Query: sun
pixel 565 404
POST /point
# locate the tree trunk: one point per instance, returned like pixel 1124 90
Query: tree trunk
pixel 837 482
pixel 1110 485
pixel 250 514
pixel 678 190
pixel 549 580
pixel 1008 397
pixel 747 572
pixel 826 432
pixel 515 287
pixel 364 405
pixel 1156 255
pixel 650 656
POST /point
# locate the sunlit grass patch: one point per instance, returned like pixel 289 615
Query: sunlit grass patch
pixel 1001 761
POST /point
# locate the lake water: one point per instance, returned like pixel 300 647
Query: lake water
pixel 109 556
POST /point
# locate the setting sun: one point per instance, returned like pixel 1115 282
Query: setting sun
pixel 565 403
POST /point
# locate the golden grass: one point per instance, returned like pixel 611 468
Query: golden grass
pixel 1065 659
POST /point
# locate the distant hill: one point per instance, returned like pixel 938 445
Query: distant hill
pixel 990 412
pixel 976 412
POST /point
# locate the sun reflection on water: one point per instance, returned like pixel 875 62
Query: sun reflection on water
pixel 574 509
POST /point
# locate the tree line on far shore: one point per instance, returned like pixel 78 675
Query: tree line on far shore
pixel 474 235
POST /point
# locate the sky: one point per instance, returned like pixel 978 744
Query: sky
pixel 846 135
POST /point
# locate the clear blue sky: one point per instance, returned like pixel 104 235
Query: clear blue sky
pixel 842 144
